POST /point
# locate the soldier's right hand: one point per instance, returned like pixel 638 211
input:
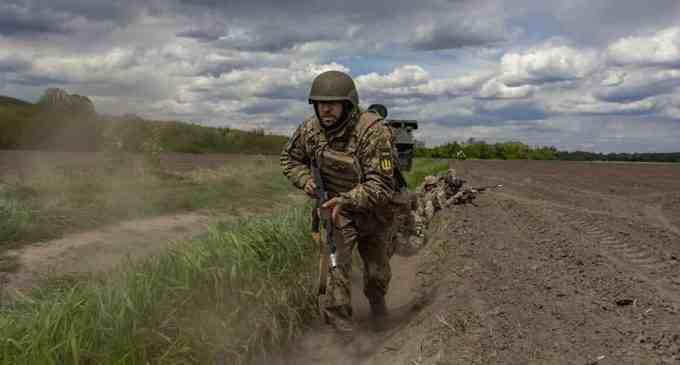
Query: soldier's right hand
pixel 310 189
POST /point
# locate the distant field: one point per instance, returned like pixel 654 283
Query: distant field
pixel 24 163
pixel 45 195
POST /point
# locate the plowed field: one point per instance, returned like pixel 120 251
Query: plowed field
pixel 568 263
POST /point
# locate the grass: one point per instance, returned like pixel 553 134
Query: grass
pixel 238 292
pixel 13 219
pixel 425 167
pixel 55 199
pixel 242 289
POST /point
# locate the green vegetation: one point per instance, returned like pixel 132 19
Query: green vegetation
pixel 481 150
pixel 425 167
pixel 240 291
pixel 243 288
pixel 29 126
pixel 66 197
pixel 477 149
pixel 13 218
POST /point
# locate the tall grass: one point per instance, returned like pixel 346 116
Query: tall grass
pixel 13 217
pixel 238 292
pixel 242 289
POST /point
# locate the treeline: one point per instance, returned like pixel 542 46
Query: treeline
pixel 482 150
pixel 631 157
pixel 28 126
pixel 519 151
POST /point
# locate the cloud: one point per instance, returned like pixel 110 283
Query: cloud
pixel 589 106
pixel 535 71
pixel 547 64
pixel 660 49
pixel 11 63
pixel 503 111
pixel 413 81
pixel 18 19
pixel 403 76
pixel 439 33
pixel 28 18
pixel 669 106
pixel 496 89
pixel 625 87
pixel 600 22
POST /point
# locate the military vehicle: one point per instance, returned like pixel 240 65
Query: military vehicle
pixel 403 133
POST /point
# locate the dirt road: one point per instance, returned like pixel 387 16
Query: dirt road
pixel 570 263
pixel 100 249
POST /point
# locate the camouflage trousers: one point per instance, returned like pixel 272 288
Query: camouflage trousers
pixel 409 232
pixel 374 243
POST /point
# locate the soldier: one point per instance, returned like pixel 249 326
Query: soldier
pixel 431 197
pixel 434 193
pixel 355 154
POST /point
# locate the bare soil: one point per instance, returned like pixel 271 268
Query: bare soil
pixel 568 263
pixel 101 249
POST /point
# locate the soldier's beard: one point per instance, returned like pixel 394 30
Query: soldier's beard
pixel 328 121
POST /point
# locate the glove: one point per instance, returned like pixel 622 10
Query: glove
pixel 310 188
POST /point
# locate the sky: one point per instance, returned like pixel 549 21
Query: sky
pixel 595 75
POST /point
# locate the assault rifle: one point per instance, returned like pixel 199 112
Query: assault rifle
pixel 468 195
pixel 486 187
pixel 322 219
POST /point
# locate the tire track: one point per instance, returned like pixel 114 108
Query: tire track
pixel 656 212
pixel 659 269
pixel 654 266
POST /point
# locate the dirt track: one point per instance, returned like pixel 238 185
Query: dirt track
pixel 570 263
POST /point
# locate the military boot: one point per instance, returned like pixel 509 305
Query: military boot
pixel 378 306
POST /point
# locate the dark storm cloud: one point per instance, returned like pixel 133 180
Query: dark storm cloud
pixel 29 17
pixel 605 20
pixel 506 111
pixel 425 25
pixel 302 8
pixel 638 92
pixel 19 18
pixel 457 33
pixel 204 35
pixel 12 65
pixel 274 38
pixel 622 87
pixel 217 69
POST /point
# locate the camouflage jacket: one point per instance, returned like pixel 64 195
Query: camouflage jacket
pixel 363 136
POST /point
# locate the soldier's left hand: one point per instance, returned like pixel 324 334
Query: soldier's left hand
pixel 336 205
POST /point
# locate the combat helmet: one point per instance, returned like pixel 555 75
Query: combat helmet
pixel 334 86
pixel 430 180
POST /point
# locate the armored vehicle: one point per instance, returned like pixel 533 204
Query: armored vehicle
pixel 403 136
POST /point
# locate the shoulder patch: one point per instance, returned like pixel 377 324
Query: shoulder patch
pixel 386 163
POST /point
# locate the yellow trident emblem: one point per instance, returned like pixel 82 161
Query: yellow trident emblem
pixel 386 165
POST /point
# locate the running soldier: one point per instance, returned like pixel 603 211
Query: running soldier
pixel 354 153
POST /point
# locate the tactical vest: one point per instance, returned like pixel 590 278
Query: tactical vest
pixel 341 171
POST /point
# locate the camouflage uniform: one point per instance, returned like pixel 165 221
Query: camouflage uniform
pixel 431 197
pixel 356 160
pixel 435 193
